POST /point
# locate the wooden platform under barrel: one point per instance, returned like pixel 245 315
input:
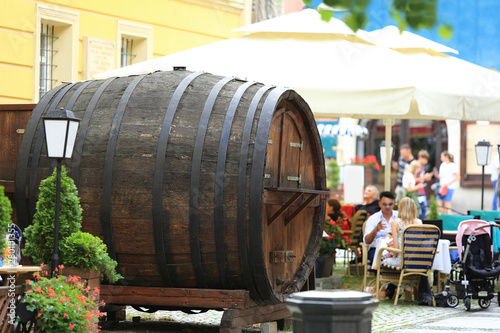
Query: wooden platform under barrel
pixel 192 180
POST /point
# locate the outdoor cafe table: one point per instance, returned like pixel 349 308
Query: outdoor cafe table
pixel 9 287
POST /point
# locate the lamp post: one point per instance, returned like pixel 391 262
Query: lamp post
pixel 61 127
pixel 385 159
pixel 483 155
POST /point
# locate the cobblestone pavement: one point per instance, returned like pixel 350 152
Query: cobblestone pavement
pixel 405 318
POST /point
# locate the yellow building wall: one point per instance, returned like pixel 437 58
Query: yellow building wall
pixel 176 25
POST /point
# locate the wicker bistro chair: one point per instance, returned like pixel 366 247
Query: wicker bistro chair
pixel 419 245
pixel 368 271
pixel 357 223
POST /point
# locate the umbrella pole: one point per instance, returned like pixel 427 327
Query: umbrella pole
pixel 388 158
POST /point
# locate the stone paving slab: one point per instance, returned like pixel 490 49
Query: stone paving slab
pixel 440 320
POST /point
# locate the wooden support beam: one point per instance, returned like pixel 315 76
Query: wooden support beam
pixel 283 208
pixel 301 208
pixel 175 297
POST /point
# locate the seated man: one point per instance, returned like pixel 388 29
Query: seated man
pixel 379 224
pixel 370 201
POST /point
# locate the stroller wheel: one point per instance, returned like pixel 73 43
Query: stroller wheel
pixel 484 303
pixel 452 301
pixel 467 303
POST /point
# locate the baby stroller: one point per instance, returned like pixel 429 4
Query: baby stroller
pixel 474 273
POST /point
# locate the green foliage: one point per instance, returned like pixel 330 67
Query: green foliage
pixel 87 251
pixel 418 14
pixel 433 209
pixel 76 248
pixel 332 174
pixel 40 234
pixel 445 31
pixel 332 228
pixel 5 212
pixel 62 305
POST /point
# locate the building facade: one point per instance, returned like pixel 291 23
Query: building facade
pixel 48 42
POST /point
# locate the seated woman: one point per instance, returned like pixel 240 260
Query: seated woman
pixel 407 216
pixel 333 211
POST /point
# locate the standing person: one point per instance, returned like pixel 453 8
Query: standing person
pixel 405 158
pixel 410 183
pixel 495 170
pixel 448 180
pixel 370 201
pixel 422 178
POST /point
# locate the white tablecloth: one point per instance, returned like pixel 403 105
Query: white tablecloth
pixel 380 243
pixel 442 260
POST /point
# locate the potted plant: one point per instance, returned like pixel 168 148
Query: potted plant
pixel 433 209
pixel 434 217
pixel 85 255
pixel 329 245
pixel 61 304
pixel 75 248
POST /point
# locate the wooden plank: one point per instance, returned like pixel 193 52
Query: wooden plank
pixel 302 190
pixel 176 297
pixel 235 318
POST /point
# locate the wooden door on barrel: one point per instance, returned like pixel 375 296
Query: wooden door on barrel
pixel 290 197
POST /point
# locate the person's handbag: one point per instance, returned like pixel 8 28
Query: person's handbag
pixel 443 191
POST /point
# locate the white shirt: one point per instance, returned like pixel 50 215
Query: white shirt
pixel 447 173
pixel 372 222
pixel 493 168
pixel 408 179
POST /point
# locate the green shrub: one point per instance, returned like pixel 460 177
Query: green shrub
pixel 76 248
pixel 433 209
pixel 332 174
pixel 87 251
pixel 5 212
pixel 40 234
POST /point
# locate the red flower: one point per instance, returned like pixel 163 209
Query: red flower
pixel 71 327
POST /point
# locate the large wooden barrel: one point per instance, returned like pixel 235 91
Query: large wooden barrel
pixel 192 180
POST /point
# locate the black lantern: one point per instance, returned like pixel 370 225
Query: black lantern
pixel 383 152
pixel 483 155
pixel 61 128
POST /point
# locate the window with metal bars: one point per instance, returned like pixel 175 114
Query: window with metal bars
pixel 127 54
pixel 47 52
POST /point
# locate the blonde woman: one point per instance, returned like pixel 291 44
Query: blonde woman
pixel 407 215
pixel 409 182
